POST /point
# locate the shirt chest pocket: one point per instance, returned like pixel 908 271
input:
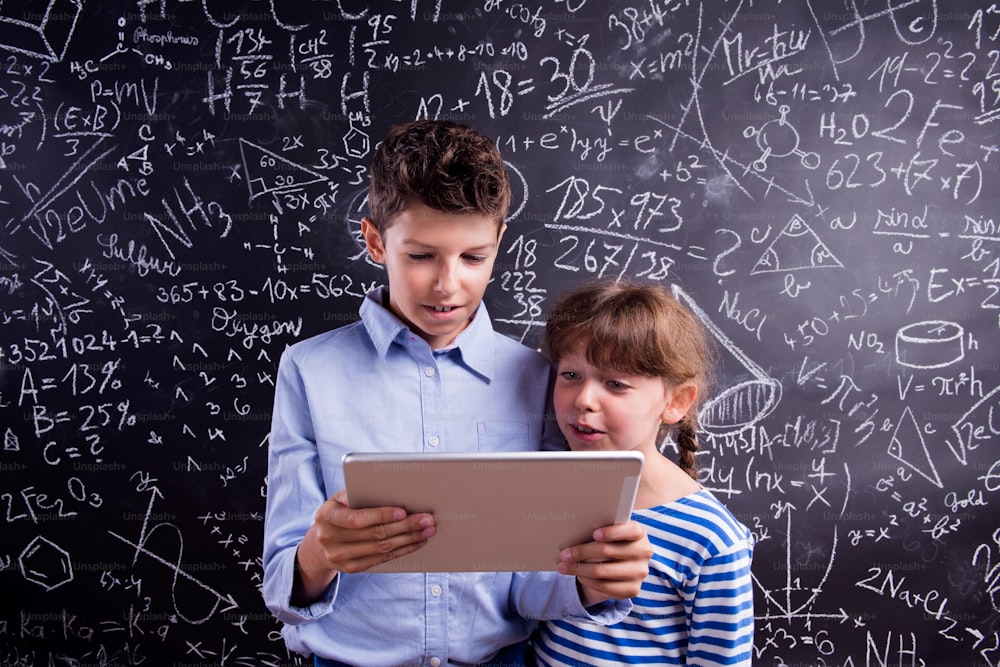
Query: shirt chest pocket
pixel 505 436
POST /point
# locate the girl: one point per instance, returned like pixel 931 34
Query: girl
pixel 633 365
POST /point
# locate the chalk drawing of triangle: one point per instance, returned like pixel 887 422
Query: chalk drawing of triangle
pixel 267 172
pixel 796 247
pixel 908 447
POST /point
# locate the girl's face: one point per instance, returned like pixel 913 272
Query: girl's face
pixel 611 410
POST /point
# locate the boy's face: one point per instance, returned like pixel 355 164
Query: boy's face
pixel 438 265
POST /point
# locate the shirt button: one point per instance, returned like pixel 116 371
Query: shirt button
pixel 435 662
pixel 433 441
pixel 436 591
pixel 429 371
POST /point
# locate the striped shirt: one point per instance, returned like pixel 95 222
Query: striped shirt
pixel 696 604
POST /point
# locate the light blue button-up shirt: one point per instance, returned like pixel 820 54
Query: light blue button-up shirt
pixel 375 386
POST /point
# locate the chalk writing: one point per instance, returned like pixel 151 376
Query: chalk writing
pixel 181 190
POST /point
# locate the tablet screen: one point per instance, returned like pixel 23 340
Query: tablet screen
pixel 510 511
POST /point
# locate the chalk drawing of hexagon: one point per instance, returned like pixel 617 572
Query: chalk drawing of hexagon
pixel 356 143
pixel 45 563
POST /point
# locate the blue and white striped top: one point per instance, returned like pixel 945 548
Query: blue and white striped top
pixel 696 604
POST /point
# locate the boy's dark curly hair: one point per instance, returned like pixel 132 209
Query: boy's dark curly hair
pixel 445 165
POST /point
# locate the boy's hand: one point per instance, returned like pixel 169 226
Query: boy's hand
pixel 342 539
pixel 614 565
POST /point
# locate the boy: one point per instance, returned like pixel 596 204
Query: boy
pixel 423 370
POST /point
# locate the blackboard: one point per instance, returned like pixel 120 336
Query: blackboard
pixel 181 185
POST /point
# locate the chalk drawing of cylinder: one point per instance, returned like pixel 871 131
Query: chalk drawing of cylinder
pixel 39 29
pixel 930 344
pixel 744 403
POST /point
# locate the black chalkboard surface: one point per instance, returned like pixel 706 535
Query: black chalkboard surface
pixel 180 190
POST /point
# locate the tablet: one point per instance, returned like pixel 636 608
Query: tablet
pixel 497 512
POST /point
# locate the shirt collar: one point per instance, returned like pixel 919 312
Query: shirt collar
pixel 474 346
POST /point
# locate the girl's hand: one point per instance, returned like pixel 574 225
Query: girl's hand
pixel 614 565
